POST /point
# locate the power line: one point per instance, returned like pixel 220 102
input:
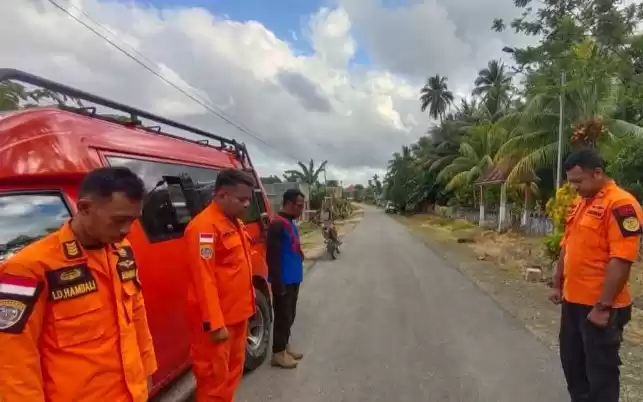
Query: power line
pixel 212 109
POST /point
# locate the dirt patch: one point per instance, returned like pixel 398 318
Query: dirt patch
pixel 497 262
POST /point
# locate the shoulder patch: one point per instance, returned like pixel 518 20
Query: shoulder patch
pixel 18 295
pixel 72 250
pixel 70 282
pixel 206 251
pixel 627 220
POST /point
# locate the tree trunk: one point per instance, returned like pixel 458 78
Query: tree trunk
pixel 481 218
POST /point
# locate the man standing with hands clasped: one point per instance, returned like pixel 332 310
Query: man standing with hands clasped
pixel 220 292
pixel 601 241
pixel 73 325
pixel 286 272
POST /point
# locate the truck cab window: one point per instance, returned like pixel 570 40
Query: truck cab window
pixel 165 213
pixel 26 217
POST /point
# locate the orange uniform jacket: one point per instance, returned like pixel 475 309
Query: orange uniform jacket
pixel 607 226
pixel 220 290
pixel 73 324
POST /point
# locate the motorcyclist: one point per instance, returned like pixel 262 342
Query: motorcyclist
pixel 331 233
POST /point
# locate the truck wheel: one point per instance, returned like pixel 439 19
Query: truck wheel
pixel 258 333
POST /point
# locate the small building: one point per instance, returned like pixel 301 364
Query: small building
pixel 275 193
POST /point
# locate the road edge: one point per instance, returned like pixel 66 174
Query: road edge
pixel 454 262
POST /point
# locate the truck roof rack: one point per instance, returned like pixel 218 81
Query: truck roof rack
pixel 239 149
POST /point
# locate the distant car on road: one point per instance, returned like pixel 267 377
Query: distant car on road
pixel 390 208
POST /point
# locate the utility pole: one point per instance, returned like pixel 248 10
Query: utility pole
pixel 559 164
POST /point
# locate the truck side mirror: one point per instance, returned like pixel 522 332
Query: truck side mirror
pixel 189 191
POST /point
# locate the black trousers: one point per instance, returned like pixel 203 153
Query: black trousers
pixel 590 354
pixel 285 310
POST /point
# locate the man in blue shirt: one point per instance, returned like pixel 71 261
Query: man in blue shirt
pixel 285 272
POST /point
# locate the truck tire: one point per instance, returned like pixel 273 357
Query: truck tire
pixel 259 329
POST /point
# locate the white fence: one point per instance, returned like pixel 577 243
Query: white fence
pixel 532 223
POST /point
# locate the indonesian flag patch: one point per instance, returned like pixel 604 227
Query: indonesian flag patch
pixel 18 286
pixel 18 296
pixel 207 238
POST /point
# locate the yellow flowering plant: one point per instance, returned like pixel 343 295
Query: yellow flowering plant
pixel 557 210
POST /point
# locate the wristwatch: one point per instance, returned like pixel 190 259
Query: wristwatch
pixel 602 306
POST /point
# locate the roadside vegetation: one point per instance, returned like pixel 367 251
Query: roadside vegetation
pixel 591 52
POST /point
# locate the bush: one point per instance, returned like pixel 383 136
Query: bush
pixel 557 210
pixel 627 166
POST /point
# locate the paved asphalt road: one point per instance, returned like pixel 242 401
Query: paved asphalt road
pixel 390 321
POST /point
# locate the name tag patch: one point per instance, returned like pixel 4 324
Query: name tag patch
pixel 18 295
pixel 126 265
pixel 597 211
pixel 70 282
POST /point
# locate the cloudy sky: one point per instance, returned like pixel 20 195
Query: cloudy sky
pixel 334 80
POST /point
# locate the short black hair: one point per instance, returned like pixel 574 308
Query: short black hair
pixel 291 196
pixel 586 159
pixel 106 181
pixel 233 177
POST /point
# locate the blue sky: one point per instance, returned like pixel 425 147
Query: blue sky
pixel 282 17
pixel 279 16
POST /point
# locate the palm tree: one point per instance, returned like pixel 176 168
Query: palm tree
pixel 308 174
pixel 493 85
pixel 436 97
pixel 468 111
pixel 478 154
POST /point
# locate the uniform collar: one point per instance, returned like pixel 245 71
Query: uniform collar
pixel 606 188
pixel 218 215
pixel 71 247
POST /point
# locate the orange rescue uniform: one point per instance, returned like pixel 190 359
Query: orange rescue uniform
pixel 73 325
pixel 598 229
pixel 220 294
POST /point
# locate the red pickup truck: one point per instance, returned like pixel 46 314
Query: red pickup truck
pixel 45 153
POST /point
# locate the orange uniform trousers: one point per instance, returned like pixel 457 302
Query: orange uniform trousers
pixel 218 367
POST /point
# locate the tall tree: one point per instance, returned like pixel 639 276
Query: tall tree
pixel 436 97
pixel 493 85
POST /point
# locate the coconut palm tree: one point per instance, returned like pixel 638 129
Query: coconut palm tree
pixel 436 97
pixel 493 85
pixel 307 174
pixel 477 155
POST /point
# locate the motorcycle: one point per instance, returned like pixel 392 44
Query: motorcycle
pixel 332 243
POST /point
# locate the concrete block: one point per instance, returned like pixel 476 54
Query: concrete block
pixel 533 274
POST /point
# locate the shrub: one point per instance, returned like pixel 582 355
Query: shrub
pixel 557 210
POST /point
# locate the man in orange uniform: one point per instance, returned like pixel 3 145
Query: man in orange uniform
pixel 601 242
pixel 220 291
pixel 72 319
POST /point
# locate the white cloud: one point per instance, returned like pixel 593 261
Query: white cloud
pixel 321 105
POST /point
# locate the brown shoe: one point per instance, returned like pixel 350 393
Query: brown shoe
pixel 295 355
pixel 283 360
